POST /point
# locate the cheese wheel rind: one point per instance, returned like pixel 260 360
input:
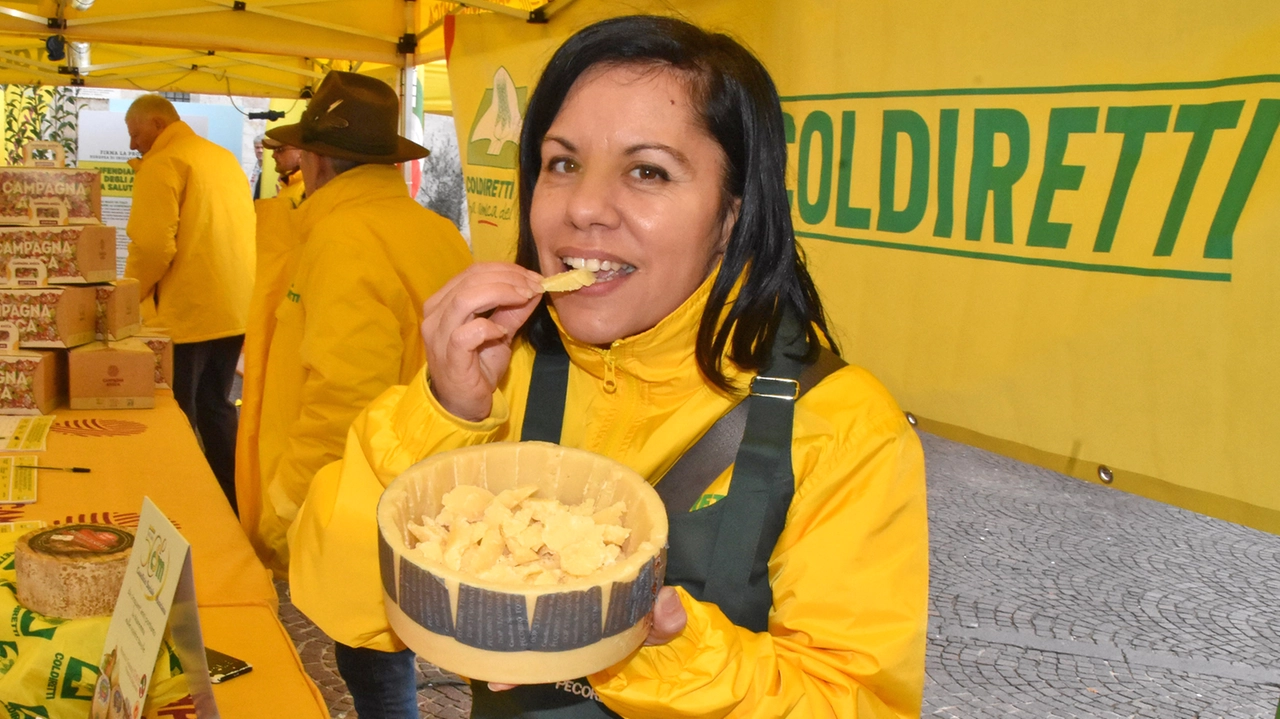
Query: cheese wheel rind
pixel 513 632
pixel 73 570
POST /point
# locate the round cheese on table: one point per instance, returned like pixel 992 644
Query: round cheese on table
pixel 72 571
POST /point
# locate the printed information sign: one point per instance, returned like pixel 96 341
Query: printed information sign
pixel 158 592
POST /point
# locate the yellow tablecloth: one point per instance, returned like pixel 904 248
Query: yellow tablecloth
pixel 137 453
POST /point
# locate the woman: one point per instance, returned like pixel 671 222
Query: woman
pixel 653 153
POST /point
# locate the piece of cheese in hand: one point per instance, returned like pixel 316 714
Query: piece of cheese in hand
pixel 72 571
pixel 569 281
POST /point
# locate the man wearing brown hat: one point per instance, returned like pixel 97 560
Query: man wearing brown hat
pixel 347 328
pixel 288 162
pixel 277 259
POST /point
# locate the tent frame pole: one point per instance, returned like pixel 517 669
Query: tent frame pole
pixel 142 61
pixel 42 22
pixel 552 7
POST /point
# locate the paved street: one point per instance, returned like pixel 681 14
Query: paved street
pixel 1051 598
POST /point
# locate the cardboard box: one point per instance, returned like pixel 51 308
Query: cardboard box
pixel 51 317
pixel 32 382
pixel 79 190
pixel 71 254
pixel 112 375
pixel 118 314
pixel 162 346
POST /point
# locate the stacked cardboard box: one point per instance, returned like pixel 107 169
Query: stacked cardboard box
pixel 113 375
pixel 32 382
pixel 162 346
pixel 118 313
pixel 58 286
pixel 71 254
pixel 51 317
pixel 78 191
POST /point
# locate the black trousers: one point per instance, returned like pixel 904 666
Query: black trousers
pixel 203 373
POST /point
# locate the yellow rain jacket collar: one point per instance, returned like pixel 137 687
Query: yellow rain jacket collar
pixel 363 184
pixel 167 137
pixel 663 357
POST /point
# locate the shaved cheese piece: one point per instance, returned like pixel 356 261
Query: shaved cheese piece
pixel 569 281
pixel 514 537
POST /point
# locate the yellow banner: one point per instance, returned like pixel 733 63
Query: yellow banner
pixel 117 177
pixel 1048 229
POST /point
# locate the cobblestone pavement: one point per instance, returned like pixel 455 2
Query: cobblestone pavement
pixel 1053 597
pixel 440 694
pixel 1050 598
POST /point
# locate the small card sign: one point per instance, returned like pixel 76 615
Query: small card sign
pixel 158 591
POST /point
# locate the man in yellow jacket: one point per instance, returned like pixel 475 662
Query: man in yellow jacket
pixel 277 255
pixel 191 248
pixel 367 258
pixel 346 326
pixel 288 161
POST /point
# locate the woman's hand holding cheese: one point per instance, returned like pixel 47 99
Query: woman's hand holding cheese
pixel 468 327
pixel 668 616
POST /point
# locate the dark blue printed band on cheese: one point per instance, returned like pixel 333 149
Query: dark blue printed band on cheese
pixel 424 598
pixel 495 621
pixel 566 620
pixel 498 621
pixel 387 565
pixel 630 601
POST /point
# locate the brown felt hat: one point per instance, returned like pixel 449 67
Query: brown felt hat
pixel 352 117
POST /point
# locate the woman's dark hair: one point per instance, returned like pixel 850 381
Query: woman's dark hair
pixel 739 107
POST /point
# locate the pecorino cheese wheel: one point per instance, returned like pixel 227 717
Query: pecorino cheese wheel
pixel 72 571
pixel 512 632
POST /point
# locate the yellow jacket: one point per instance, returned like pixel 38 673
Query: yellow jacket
pixel 191 231
pixel 292 187
pixel 277 258
pixel 346 330
pixel 849 573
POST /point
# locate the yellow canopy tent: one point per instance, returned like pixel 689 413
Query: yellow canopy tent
pixel 25 60
pixel 264 48
pixel 391 32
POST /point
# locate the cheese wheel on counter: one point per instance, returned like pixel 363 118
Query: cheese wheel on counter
pixel 72 571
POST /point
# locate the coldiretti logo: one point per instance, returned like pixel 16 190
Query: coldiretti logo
pixel 154 570
pixel 1135 179
pixel 495 133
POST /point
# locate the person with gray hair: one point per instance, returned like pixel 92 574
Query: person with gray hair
pixel 191 233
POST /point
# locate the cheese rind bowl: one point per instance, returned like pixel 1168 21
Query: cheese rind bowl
pixel 521 633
